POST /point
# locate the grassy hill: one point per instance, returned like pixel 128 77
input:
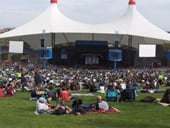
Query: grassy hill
pixel 18 112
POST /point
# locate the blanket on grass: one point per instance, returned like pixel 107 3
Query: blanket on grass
pixel 111 110
pixel 164 104
pixel 6 96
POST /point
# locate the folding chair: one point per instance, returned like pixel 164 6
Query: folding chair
pixel 112 95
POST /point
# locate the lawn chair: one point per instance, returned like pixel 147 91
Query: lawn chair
pixel 112 95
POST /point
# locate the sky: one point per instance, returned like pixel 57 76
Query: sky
pixel 14 13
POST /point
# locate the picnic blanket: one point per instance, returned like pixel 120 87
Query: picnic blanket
pixel 111 110
pixel 164 104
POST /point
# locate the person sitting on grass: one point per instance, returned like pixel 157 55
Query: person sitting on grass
pixel 51 94
pixel 1 92
pixel 64 95
pixel 60 109
pixel 165 100
pixel 42 106
pixel 102 106
pixel 9 90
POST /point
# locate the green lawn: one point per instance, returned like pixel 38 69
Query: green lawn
pixel 18 112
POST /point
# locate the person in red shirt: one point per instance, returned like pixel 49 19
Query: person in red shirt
pixel 9 90
pixel 64 96
pixel 1 92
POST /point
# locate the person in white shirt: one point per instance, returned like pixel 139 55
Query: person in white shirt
pixel 42 106
pixel 101 104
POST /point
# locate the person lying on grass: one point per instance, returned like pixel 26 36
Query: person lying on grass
pixel 164 101
pixel 100 106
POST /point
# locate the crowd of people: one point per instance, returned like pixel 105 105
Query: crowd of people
pixel 57 83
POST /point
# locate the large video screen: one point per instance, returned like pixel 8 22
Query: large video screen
pixel 16 46
pixel 147 50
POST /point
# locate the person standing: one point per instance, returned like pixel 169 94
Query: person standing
pixel 38 79
pixel 23 82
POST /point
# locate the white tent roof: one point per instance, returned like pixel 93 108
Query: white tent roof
pixel 133 23
pixel 53 21
pixel 50 21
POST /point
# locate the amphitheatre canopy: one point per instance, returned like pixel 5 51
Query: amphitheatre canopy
pixel 59 28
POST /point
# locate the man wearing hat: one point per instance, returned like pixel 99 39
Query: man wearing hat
pixel 41 106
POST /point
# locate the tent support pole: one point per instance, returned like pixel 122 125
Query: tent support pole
pixel 129 47
pixel 65 37
pixel 53 39
pixel 92 36
pixel 129 41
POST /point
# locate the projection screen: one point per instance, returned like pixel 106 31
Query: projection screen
pixel 16 46
pixel 147 50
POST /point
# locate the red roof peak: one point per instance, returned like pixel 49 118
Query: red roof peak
pixel 132 2
pixel 53 1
